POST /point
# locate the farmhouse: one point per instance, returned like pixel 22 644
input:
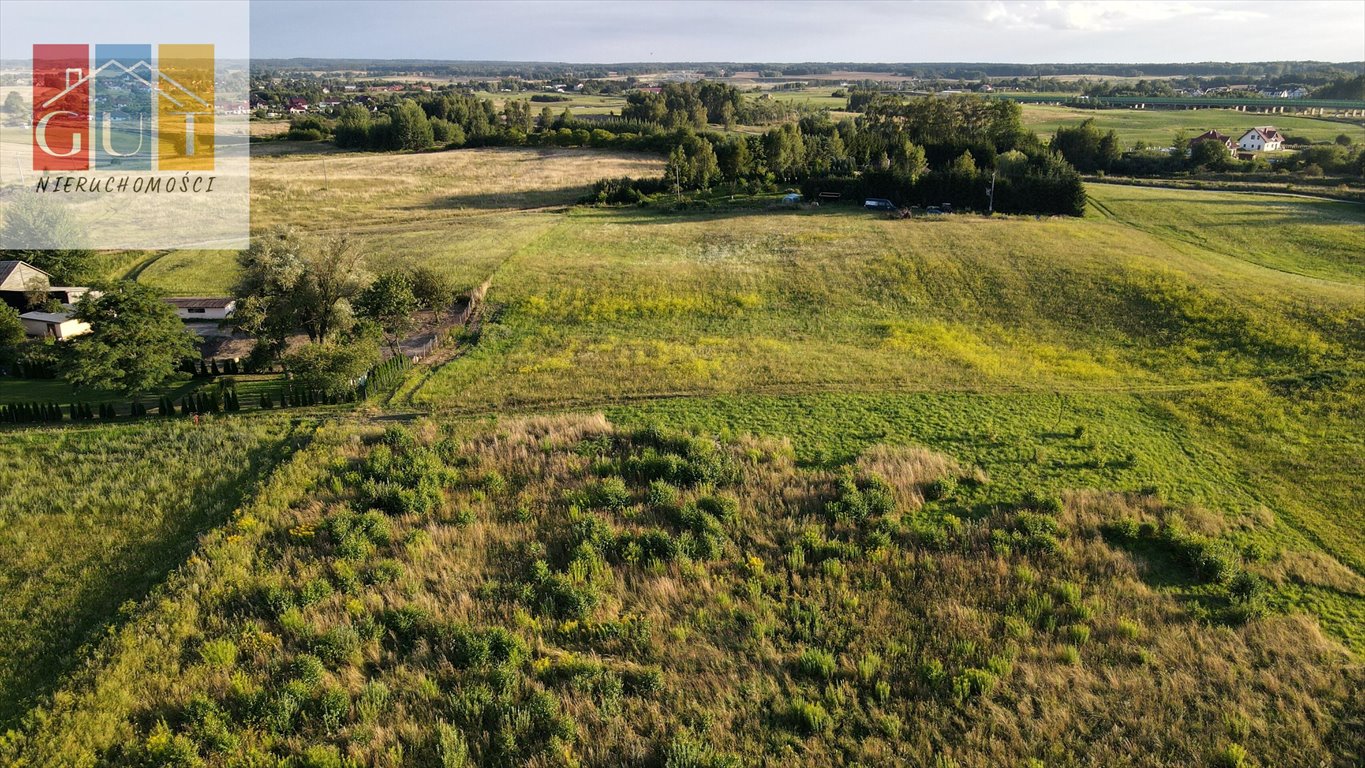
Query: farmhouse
pixel 1214 136
pixel 18 279
pixel 58 325
pixel 198 308
pixel 1262 138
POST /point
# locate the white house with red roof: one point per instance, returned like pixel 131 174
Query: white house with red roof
pixel 1262 138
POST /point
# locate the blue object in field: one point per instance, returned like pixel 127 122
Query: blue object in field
pixel 879 204
pixel 933 209
pixel 791 198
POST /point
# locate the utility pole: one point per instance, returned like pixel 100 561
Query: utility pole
pixel 990 195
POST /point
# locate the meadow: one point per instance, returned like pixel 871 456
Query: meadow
pixel 949 491
pixel 561 591
pixel 93 517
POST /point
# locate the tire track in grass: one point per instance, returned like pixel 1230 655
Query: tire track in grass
pixel 142 266
pixel 428 372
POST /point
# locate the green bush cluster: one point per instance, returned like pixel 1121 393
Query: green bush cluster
pixel 859 499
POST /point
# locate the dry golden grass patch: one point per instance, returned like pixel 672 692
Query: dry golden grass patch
pixel 362 189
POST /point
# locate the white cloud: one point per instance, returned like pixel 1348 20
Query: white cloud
pixel 1111 15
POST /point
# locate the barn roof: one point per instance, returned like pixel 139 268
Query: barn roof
pixel 201 302
pixel 13 275
pixel 46 317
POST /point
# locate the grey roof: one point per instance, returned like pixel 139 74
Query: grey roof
pixel 47 317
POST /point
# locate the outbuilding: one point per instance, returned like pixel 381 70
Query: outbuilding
pixel 18 279
pixel 58 325
pixel 201 308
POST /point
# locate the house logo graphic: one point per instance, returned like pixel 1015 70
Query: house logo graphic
pixel 122 109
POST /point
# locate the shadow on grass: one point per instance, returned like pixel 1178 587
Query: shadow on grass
pixel 499 201
pixel 1157 564
pixel 144 565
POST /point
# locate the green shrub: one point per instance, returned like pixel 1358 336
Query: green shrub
pixel 643 682
pixel 609 493
pixel 1128 629
pixel 662 495
pixel 869 666
pixel 816 663
pixel 220 653
pixel 972 683
pixel 314 591
pixel 808 717
pixel 1068 593
pixel 163 749
pixel 321 756
pixel 941 488
pixel 1126 529
pixel 932 674
pixel 722 508
pixel 385 571
pixel 372 702
pixel 1069 654
pixel 307 669
pixel 452 751
pixel 207 724
pixel 1232 756
pixel 687 751
pixel 331 708
pixel 1043 502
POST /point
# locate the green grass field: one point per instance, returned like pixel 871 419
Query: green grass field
pixel 96 516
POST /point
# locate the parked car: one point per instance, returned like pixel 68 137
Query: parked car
pixel 879 204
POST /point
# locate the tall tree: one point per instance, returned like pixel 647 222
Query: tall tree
pixel 432 289
pixel 411 129
pixel 333 367
pixel 11 333
pixel 389 302
pixel 291 281
pixel 1086 147
pixel 135 342
pixel 353 127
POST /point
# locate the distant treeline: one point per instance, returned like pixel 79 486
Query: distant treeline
pixel 457 119
pixel 928 70
pixel 696 104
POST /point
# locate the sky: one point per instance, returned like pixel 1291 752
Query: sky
pixel 1011 31
pixel 813 30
